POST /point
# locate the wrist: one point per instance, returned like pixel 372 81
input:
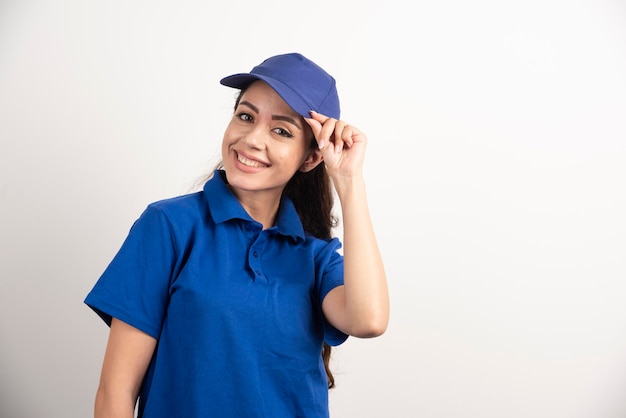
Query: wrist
pixel 348 185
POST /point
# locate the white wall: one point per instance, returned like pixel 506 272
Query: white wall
pixel 496 176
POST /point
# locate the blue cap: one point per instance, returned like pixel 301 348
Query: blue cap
pixel 301 83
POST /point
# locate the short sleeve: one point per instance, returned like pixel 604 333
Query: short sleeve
pixel 134 288
pixel 331 269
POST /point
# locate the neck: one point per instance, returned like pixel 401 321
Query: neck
pixel 262 207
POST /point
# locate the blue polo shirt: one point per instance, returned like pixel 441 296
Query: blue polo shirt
pixel 236 310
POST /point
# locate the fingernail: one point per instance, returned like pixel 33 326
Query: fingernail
pixel 321 143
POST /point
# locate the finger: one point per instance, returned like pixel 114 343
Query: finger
pixel 316 127
pixel 322 138
pixel 348 135
pixel 339 135
pixel 318 116
pixel 326 134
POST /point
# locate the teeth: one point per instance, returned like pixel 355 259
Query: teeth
pixel 248 162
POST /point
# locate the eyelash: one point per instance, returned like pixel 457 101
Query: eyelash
pixel 284 132
pixel 246 117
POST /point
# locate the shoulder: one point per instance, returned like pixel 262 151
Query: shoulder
pixel 179 214
pixel 180 206
pixel 178 203
pixel 324 249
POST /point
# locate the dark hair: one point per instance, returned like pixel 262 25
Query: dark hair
pixel 312 195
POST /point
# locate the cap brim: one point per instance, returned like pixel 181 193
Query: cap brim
pixel 243 80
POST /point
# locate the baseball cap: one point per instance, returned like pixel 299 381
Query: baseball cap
pixel 301 83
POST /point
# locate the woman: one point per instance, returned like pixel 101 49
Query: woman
pixel 221 302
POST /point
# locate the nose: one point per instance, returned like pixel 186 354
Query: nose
pixel 255 138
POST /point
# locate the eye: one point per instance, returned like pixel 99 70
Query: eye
pixel 283 132
pixel 246 117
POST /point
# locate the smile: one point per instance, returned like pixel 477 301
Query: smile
pixel 250 163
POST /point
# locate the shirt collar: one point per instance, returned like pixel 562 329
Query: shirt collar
pixel 224 206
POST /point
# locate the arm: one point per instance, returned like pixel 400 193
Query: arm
pixel 361 306
pixel 126 360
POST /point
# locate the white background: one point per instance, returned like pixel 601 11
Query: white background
pixel 496 173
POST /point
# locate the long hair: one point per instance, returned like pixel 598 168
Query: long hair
pixel 312 196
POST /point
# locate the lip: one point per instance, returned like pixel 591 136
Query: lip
pixel 247 168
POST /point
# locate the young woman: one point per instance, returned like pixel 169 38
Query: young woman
pixel 225 302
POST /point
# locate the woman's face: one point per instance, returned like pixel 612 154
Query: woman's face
pixel 265 143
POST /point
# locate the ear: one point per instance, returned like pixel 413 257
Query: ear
pixel 312 160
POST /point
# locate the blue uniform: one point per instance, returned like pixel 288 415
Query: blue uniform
pixel 235 309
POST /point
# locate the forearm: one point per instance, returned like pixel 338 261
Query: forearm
pixel 126 360
pixel 366 294
pixel 112 405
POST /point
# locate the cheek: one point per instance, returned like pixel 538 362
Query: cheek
pixel 284 152
pixel 292 156
pixel 229 134
pixel 227 141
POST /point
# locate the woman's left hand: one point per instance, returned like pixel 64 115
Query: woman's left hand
pixel 342 145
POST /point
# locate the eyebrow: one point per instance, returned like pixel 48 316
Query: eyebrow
pixel 284 118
